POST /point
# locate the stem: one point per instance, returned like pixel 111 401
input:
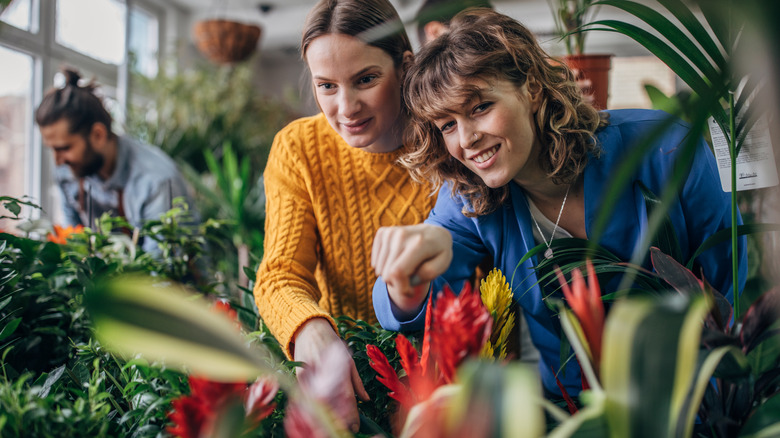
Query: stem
pixel 734 255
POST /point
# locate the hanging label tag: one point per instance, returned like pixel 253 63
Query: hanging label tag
pixel 755 162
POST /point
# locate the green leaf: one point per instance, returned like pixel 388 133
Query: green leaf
pixel 704 375
pixel 10 328
pixel 673 34
pixel 13 207
pixel 764 423
pixel 157 319
pixel 51 379
pixel 661 49
pixel 699 33
pixel 765 356
pixel 650 348
pixel 589 422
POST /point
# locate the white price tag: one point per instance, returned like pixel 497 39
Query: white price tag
pixel 755 162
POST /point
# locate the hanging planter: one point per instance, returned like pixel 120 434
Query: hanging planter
pixel 225 41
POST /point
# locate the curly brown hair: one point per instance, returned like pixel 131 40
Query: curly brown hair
pixel 487 45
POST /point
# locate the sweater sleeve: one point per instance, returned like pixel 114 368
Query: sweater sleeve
pixel 286 290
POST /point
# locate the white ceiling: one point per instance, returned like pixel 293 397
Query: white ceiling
pixel 283 22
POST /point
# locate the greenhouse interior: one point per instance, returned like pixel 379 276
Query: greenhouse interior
pixel 389 218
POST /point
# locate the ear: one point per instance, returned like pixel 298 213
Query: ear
pixel 98 135
pixel 534 93
pixel 408 59
pixel 433 29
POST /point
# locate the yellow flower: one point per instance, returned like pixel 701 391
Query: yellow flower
pixel 497 297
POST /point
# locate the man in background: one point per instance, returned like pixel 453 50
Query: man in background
pixel 99 171
pixel 434 16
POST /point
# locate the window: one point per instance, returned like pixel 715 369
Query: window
pixel 15 122
pixel 78 28
pixel 144 41
pixel 19 14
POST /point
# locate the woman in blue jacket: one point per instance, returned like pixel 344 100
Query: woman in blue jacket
pixel 521 159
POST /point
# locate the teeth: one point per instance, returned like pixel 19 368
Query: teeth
pixel 486 155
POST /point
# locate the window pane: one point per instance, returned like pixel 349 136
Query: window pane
pixel 144 41
pixel 15 120
pixel 95 28
pixel 18 14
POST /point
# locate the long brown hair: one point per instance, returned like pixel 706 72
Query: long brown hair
pixel 77 103
pixel 484 44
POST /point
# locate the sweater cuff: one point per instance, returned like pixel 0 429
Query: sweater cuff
pixel 300 315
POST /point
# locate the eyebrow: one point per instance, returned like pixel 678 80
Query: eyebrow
pixel 359 73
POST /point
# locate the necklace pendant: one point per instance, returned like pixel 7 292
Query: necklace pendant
pixel 548 254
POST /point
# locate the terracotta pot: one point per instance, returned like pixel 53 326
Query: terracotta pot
pixel 596 69
pixel 224 41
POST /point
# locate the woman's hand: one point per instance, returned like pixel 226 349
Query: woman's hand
pixel 408 258
pixel 312 341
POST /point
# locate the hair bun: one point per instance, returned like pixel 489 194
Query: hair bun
pixel 72 77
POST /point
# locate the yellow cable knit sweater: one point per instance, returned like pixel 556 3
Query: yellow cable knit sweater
pixel 324 202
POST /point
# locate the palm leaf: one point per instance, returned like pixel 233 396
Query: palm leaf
pixel 675 36
pixel 699 33
pixel 161 322
pixel 659 48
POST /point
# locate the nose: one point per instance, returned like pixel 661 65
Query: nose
pixel 59 158
pixel 468 135
pixel 349 103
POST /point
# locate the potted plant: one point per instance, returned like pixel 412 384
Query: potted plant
pixel 592 70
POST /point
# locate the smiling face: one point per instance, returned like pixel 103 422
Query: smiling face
pixel 493 134
pixel 358 88
pixel 75 150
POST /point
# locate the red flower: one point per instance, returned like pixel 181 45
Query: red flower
pixel 585 302
pixel 60 234
pixel 461 326
pixel 224 307
pixel 193 415
pixel 455 328
pixel 259 401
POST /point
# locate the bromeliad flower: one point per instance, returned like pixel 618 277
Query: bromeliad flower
pixel 195 415
pixel 497 297
pixel 60 234
pixel 457 327
pixel 585 302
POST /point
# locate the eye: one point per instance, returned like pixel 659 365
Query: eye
pixel 482 107
pixel 326 86
pixel 367 79
pixel 446 126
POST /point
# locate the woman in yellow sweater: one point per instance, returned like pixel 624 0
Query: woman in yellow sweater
pixel 332 180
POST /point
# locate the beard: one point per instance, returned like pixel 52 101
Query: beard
pixel 90 165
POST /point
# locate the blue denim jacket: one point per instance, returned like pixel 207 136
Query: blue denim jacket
pixel 147 177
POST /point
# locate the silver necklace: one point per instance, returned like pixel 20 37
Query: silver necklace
pixel 549 252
